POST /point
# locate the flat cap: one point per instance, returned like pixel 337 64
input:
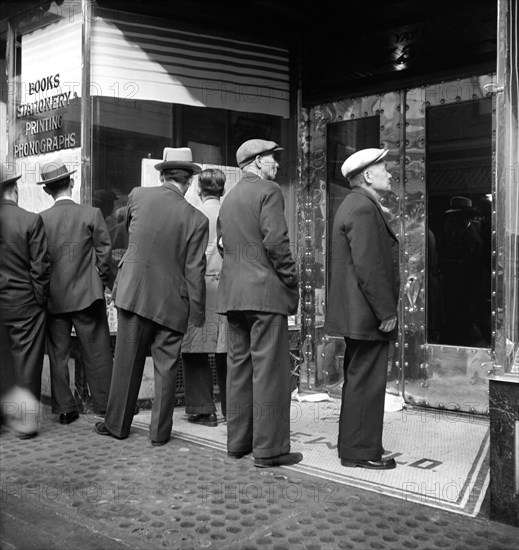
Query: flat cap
pixel 360 160
pixel 250 149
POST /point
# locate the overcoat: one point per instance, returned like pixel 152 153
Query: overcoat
pixel 364 285
pixel 80 249
pixel 161 275
pixel 256 248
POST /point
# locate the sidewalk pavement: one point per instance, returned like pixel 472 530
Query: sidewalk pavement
pixel 70 488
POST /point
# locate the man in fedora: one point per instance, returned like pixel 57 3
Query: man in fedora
pixel 80 251
pixel 24 290
pixel 258 290
pixel 160 286
pixel 362 308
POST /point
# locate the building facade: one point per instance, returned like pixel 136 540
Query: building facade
pixel 107 86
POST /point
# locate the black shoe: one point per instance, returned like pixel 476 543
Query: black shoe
pixel 68 418
pixel 239 454
pixel 26 435
pixel 204 419
pixel 159 443
pixel 101 429
pixel 282 460
pixel 381 464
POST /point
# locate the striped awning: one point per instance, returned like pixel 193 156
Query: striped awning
pixel 147 59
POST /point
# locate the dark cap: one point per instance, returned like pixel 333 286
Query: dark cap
pixel 250 149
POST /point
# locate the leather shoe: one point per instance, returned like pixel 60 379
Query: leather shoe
pixel 381 464
pixel 26 435
pixel 68 418
pixel 101 429
pixel 159 443
pixel 238 454
pixel 203 419
pixel 281 460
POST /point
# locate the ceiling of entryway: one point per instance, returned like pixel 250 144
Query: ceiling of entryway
pixel 345 48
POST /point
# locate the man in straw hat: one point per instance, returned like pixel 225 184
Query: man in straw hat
pixel 258 290
pixel 24 289
pixel 160 286
pixel 80 251
pixel 362 308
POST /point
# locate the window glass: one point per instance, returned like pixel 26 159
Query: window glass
pixel 459 186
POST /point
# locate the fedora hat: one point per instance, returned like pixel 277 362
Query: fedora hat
pixel 360 160
pixel 251 148
pixel 180 157
pixel 7 174
pixel 460 204
pixel 54 171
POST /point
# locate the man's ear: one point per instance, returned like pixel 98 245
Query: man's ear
pixel 71 183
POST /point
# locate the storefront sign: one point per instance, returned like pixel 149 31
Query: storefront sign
pixel 49 120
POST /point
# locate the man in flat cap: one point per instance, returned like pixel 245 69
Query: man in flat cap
pixel 258 290
pixel 79 247
pixel 24 290
pixel 362 308
pixel 160 286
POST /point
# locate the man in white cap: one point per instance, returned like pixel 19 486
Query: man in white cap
pixel 258 290
pixel 362 308
pixel 24 290
pixel 160 285
pixel 80 252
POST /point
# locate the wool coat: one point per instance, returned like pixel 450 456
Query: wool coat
pixel 161 275
pixel 80 252
pixel 256 249
pixel 25 273
pixel 364 280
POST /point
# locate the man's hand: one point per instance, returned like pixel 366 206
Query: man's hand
pixel 388 325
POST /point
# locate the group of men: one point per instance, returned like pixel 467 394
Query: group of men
pixel 160 291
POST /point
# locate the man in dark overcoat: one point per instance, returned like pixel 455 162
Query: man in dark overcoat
pixel 24 290
pixel 80 250
pixel 258 290
pixel 362 306
pixel 160 285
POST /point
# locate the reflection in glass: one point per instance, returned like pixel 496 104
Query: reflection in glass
pixel 459 186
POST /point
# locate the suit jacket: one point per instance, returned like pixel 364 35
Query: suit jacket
pixel 364 285
pixel 80 251
pixel 161 275
pixel 258 272
pixel 25 263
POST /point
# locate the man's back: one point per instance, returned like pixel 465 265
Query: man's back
pixel 259 272
pixel 161 276
pixel 79 247
pixel 24 277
